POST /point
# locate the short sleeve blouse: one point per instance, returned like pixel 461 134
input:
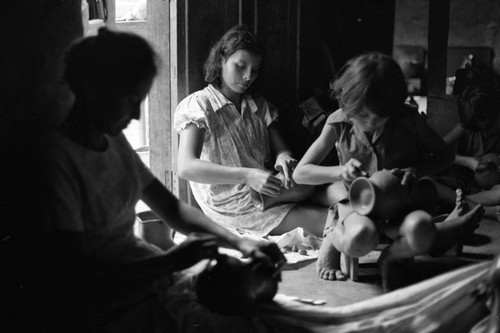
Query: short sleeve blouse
pixel 232 139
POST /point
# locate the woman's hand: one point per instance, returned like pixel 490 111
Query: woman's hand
pixel 195 248
pixel 263 182
pixel 265 251
pixel 352 170
pixel 286 164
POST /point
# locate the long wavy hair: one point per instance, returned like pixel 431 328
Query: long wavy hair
pixel 236 38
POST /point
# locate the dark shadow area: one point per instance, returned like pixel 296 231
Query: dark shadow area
pixel 478 240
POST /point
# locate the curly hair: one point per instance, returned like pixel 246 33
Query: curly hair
pixel 110 60
pixel 373 80
pixel 236 38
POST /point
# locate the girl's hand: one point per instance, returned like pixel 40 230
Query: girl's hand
pixel 286 163
pixel 352 170
pixel 195 248
pixel 267 252
pixel 263 182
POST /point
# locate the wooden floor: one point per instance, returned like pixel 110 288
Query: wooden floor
pixel 300 279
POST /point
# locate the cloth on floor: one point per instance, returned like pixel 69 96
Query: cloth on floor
pixel 298 245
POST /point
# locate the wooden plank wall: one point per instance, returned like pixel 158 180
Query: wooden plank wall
pixel 303 40
pixel 159 97
pixel 197 24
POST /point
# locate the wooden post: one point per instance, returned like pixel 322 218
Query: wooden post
pixel 441 109
pixel 159 96
pixel 439 17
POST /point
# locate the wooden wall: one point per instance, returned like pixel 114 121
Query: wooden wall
pixel 305 43
pixel 35 35
pixel 471 23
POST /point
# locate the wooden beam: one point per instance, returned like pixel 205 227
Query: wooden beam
pixel 439 17
pixel 159 96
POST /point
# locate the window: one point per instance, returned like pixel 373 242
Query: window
pixel 126 15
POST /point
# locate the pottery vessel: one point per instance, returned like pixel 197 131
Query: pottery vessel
pixel 380 196
pixel 232 286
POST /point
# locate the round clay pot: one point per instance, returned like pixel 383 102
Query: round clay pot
pixel 381 195
pixel 491 176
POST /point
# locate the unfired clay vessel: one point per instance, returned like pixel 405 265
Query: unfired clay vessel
pixel 380 196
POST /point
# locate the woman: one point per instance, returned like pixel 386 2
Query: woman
pixel 96 274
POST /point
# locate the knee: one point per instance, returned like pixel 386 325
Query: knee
pixel 336 192
pixel 419 230
pixel 361 235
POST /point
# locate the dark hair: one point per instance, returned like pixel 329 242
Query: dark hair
pixel 236 38
pixel 110 60
pixel 374 80
pixel 483 107
pixel 473 76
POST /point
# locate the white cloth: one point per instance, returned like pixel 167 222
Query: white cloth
pixel 236 140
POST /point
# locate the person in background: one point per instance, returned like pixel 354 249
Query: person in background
pixel 92 272
pixel 477 140
pixel 231 151
pixel 374 130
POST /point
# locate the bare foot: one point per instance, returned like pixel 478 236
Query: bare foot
pixel 456 230
pixel 461 206
pixel 328 263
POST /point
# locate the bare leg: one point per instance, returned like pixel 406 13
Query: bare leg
pixel 489 199
pixel 308 216
pixel 328 263
pixel 312 218
pixel 415 236
pixel 461 222
pixel 331 194
pixel 353 234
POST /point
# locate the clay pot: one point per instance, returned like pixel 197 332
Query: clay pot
pixel 380 196
pixel 231 286
pixel 490 176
